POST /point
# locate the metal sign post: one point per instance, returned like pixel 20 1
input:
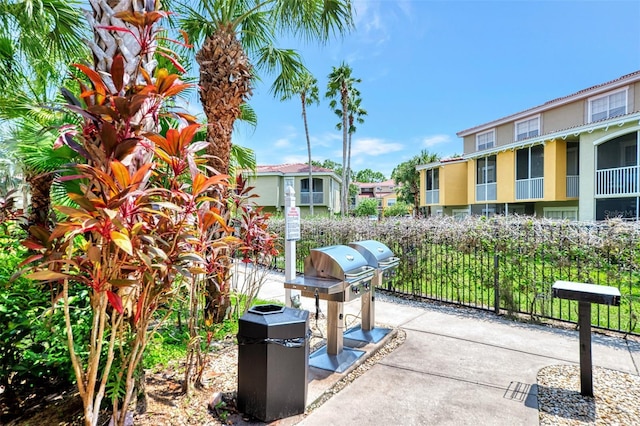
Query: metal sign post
pixel 292 234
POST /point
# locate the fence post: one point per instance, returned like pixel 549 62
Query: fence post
pixel 496 284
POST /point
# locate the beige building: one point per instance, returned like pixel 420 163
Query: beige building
pixel 383 192
pixel 574 157
pixel 270 183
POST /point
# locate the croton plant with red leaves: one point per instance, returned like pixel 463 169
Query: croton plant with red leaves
pixel 135 227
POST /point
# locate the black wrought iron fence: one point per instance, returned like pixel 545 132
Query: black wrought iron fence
pixel 502 264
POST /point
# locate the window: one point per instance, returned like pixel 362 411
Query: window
pixel 460 213
pixel 317 192
pixel 527 128
pixel 485 140
pixel 530 162
pixel 608 106
pixel 561 213
pixel 486 170
pixel 486 186
pixel 433 179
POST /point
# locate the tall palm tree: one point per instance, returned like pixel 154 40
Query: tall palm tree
pixel 236 39
pixel 355 115
pixel 306 86
pixel 339 87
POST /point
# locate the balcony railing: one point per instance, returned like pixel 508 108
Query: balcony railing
pixel 487 192
pixel 573 186
pixel 619 181
pixel 318 198
pixel 433 196
pixel 527 189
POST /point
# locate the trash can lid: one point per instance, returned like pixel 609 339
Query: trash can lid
pixel 273 321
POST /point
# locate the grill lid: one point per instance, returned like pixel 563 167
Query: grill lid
pixel 339 262
pixel 376 254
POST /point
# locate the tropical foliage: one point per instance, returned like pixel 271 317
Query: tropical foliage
pixel 341 89
pixel 306 86
pixel 136 229
pixel 407 178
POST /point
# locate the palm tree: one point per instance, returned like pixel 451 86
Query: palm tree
pixel 237 39
pixel 339 87
pixel 307 87
pixel 356 112
pixel 30 81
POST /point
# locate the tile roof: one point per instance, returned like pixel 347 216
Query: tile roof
pixel 389 182
pixel 291 168
pixel 627 78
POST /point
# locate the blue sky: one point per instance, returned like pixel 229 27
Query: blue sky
pixel 430 69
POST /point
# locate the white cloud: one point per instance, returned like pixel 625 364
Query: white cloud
pixel 325 140
pixel 282 143
pixel 373 147
pixel 294 159
pixel 431 141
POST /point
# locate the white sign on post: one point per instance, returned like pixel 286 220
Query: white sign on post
pixel 293 224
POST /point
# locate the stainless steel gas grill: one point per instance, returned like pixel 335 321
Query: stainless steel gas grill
pixel 336 274
pixel 380 257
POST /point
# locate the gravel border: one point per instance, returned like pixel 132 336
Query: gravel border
pixel 616 398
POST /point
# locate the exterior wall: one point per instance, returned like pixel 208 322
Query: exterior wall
pixel 555 171
pixel 471 181
pixel 453 184
pixel 634 97
pixel 564 117
pixel 269 189
pixel 423 185
pixel 504 134
pixel 469 144
pixel 506 176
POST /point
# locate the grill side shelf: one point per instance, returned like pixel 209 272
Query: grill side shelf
pixel 310 284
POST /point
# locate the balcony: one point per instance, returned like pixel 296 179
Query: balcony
pixel 318 198
pixel 433 196
pixel 527 189
pixel 618 181
pixel 573 186
pixel 487 192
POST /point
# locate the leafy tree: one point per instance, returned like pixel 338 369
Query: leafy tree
pixel 306 86
pixel 339 89
pixel 329 164
pixel 369 176
pixel 398 209
pixel 408 178
pixel 367 207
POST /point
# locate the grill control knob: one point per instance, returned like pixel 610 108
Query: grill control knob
pixel 366 286
pixel 355 289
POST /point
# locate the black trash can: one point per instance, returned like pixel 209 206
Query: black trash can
pixel 273 362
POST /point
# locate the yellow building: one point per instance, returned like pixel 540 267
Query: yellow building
pixel 574 157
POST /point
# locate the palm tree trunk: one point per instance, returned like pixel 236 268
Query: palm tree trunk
pixel 40 207
pixel 345 190
pixel 306 132
pixel 225 84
